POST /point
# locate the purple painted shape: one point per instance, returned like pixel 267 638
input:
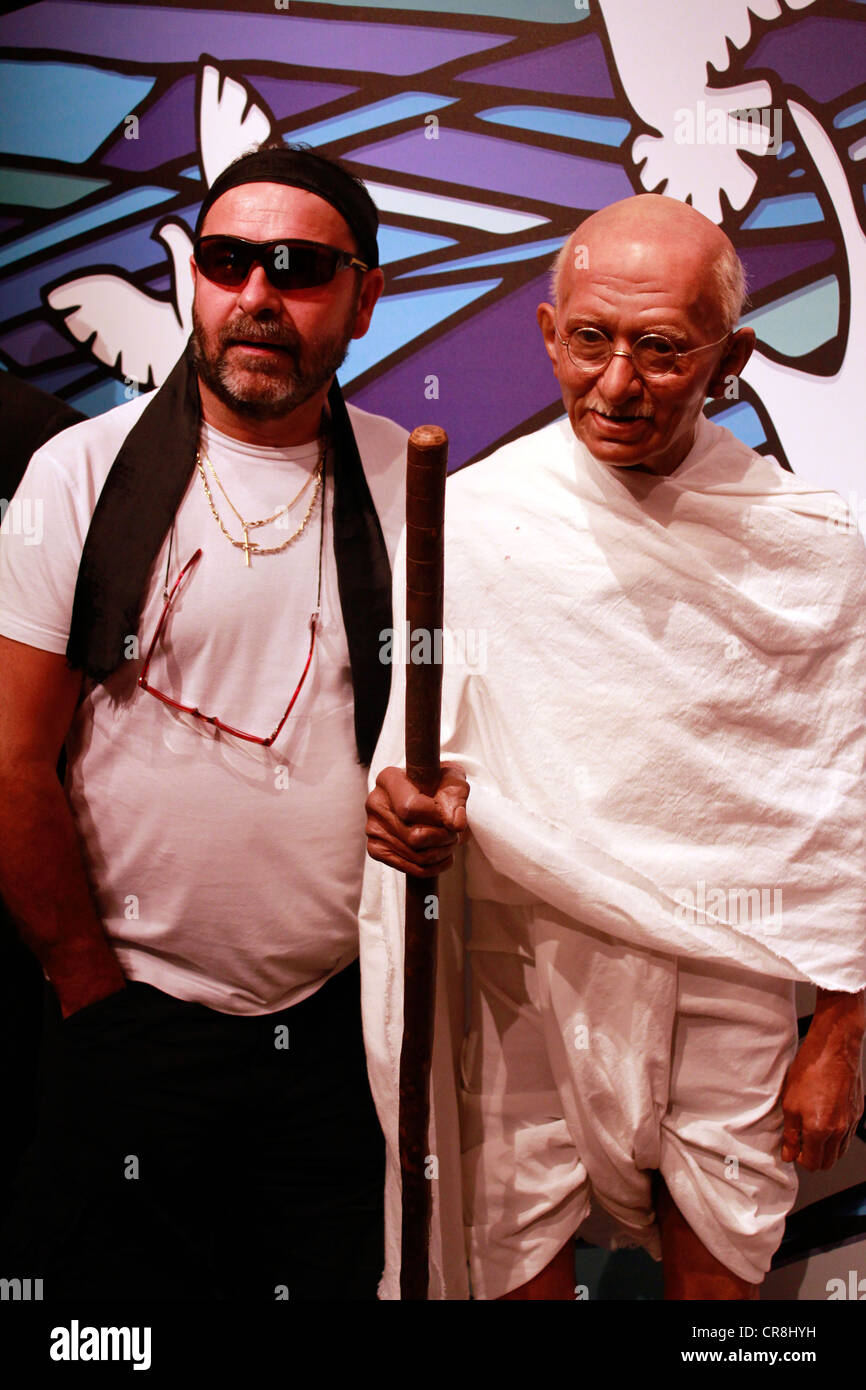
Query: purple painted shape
pixel 825 57
pixel 765 265
pixel 574 69
pixel 493 374
pixel 156 34
pixel 167 130
pixel 6 223
pixel 286 98
pixel 484 161
pixel 35 342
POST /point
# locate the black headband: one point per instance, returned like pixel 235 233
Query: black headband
pixel 304 169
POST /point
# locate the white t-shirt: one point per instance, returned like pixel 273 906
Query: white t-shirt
pixel 224 872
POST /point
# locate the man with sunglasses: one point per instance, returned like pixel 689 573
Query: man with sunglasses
pixel 666 755
pixel 201 624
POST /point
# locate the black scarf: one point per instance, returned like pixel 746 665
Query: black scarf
pixel 135 511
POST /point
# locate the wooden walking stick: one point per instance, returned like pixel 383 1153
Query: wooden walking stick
pixel 425 511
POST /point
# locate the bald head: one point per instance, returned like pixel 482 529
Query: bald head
pixel 648 220
pixel 654 272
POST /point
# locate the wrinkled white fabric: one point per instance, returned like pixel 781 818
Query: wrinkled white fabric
pixel 664 730
pixel 589 1065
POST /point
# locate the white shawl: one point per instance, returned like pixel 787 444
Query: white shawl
pixel 661 710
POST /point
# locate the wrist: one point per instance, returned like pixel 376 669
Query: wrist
pixel 840 1015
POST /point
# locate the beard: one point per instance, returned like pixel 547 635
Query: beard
pixel 267 390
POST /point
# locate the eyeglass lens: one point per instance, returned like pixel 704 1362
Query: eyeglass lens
pixel 588 347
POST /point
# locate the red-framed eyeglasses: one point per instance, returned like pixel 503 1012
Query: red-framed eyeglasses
pixel 194 710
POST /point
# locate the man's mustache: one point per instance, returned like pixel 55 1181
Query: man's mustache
pixel 249 330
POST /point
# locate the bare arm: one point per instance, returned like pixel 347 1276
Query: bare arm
pixel 42 876
pixel 823 1094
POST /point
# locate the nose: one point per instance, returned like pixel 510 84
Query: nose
pixel 619 380
pixel 258 294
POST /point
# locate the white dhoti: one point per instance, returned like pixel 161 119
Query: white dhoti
pixel 657 688
pixel 588 1066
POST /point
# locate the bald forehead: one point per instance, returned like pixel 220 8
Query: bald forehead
pixel 650 245
pixel 654 215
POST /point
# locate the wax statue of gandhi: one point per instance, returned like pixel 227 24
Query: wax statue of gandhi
pixel 201 626
pixel 665 745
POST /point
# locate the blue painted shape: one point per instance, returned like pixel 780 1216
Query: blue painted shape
pixel 105 395
pixel 574 125
pixel 396 243
pixel 63 110
pixel 785 149
pixel 511 253
pixel 743 421
pixel 191 172
pixel 463 158
pixel 852 114
pixel 791 210
pixel 799 322
pixel 156 34
pixel 124 205
pixel 37 188
pixel 95 400
pixel 400 318
pixel 379 113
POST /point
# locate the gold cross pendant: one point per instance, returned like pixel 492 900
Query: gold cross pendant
pixel 247 546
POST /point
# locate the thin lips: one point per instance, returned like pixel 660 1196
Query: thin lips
pixel 257 342
pixel 262 343
pixel 605 416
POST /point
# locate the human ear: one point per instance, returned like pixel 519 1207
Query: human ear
pixel 372 286
pixel 546 316
pixel 739 350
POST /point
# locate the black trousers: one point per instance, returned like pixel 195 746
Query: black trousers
pixel 188 1154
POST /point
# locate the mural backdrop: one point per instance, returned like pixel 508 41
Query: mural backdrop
pixel 485 130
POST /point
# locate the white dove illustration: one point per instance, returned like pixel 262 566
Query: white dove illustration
pixel 131 330
pixel 815 416
pixel 661 52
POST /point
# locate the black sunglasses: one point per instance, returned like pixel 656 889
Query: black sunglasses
pixel 289 265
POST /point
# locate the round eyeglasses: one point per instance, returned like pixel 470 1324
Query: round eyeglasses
pixel 653 355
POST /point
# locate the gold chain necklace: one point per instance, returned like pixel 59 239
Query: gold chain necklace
pixel 246 545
